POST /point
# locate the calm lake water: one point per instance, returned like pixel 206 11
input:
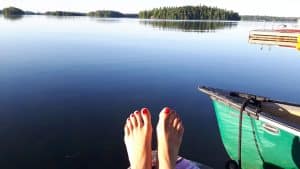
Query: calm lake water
pixel 68 84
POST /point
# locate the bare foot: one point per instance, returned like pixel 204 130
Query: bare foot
pixel 138 139
pixel 169 136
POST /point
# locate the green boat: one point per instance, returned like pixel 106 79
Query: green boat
pixel 257 132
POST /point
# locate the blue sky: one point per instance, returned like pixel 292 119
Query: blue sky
pixel 259 7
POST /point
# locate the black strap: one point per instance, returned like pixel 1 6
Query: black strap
pixel 244 105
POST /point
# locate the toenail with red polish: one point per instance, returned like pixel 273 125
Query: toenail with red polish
pixel 132 115
pixel 167 110
pixel 144 110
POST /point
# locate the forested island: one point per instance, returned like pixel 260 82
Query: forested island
pixel 106 14
pixel 184 13
pixel 200 12
pixel 111 14
pixel 64 13
pixel 12 11
pixel 100 14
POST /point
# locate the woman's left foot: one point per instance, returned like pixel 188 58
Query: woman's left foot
pixel 169 136
pixel 138 139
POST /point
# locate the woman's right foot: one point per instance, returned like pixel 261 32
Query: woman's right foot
pixel 169 136
pixel 138 138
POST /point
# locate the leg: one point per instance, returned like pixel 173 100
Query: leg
pixel 169 136
pixel 138 139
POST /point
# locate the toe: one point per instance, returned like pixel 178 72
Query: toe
pixel 129 125
pixel 133 120
pixel 180 128
pixel 139 119
pixel 175 122
pixel 167 117
pixel 126 130
pixel 146 116
pixel 164 113
pixel 170 120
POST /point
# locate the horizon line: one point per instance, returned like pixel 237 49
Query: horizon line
pixel 146 9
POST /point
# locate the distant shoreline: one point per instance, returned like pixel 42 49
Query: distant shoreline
pixel 165 13
pixel 13 11
pixel 268 18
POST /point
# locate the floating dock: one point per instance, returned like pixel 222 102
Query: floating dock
pixel 282 35
pixel 275 43
pixel 279 37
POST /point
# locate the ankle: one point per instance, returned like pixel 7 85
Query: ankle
pixel 165 161
pixel 165 165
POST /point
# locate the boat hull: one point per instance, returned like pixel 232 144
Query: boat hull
pixel 263 145
pixel 270 129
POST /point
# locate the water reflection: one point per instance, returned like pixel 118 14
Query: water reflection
pixel 189 26
pixel 107 20
pixel 63 17
pixel 13 17
pixel 65 80
pixel 270 43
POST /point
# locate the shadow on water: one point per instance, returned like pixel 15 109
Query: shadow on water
pixel 190 26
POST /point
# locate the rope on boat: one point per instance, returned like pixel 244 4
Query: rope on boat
pixel 256 142
pixel 244 105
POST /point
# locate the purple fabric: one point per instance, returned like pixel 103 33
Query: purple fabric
pixel 181 163
pixel 186 164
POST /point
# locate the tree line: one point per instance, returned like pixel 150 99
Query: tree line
pixel 12 11
pixel 110 14
pixel 200 12
pixel 105 14
pixel 190 13
pixel 268 18
pixel 64 13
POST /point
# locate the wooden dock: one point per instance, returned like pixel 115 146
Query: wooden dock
pixel 275 43
pixel 280 35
